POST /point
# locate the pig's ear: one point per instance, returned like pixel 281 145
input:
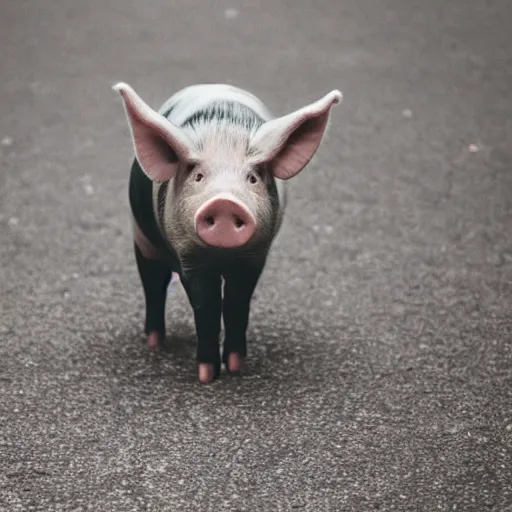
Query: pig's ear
pixel 288 143
pixel 159 145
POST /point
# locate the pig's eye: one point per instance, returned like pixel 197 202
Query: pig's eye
pixel 191 167
pixel 199 176
pixel 252 179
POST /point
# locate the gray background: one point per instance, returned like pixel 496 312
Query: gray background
pixel 379 375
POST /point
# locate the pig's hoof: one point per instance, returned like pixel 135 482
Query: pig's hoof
pixel 235 363
pixel 208 372
pixel 154 339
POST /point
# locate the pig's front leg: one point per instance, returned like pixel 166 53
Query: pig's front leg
pixel 238 290
pixel 155 276
pixel 204 293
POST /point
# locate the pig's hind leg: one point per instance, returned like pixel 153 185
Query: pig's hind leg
pixel 155 276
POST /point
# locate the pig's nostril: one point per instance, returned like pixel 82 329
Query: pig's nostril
pixel 239 222
pixel 210 220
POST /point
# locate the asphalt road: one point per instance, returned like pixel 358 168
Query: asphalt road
pixel 379 373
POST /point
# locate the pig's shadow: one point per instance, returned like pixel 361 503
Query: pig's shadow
pixel 272 355
pixel 132 359
pixel 180 342
pixel 176 356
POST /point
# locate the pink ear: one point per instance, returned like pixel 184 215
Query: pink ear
pixel 159 145
pixel 288 143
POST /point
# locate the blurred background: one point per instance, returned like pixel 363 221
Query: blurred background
pixel 379 371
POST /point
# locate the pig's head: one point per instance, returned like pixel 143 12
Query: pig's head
pixel 221 173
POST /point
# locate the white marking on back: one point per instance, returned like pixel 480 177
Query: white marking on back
pixel 191 99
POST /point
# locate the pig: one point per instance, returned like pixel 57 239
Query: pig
pixel 207 197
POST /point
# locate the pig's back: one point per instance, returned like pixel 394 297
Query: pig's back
pixel 196 98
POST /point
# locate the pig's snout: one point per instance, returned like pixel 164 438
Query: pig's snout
pixel 224 222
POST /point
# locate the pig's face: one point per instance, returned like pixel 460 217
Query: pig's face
pixel 222 200
pixel 225 205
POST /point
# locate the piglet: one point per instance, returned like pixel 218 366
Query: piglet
pixel 207 198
